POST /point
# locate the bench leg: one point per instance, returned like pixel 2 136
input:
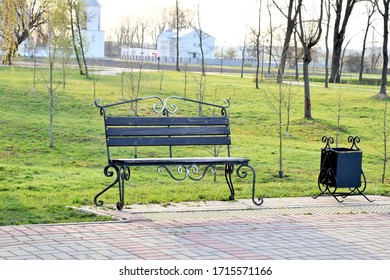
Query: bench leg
pixel 229 169
pixel 107 173
pixel 122 174
pixel 242 174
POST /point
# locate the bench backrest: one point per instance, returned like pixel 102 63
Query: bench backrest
pixel 165 130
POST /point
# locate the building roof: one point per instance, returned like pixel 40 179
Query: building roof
pixel 171 33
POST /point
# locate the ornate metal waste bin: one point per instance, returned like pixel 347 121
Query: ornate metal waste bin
pixel 341 168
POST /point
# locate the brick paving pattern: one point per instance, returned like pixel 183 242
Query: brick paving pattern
pixel 281 229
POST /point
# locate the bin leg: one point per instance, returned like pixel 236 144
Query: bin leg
pixel 364 188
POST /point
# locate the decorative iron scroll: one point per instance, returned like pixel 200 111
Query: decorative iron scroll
pixel 163 107
pixel 187 171
pixel 328 141
pixel 243 174
pixel 107 173
pixel 122 175
pixel 354 140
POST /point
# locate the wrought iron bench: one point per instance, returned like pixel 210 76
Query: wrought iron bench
pixel 129 130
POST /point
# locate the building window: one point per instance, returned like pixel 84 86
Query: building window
pixel 193 55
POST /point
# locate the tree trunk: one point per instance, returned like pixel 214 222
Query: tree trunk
pixel 51 90
pixel 50 86
pixel 336 59
pixel 296 56
pixel 385 135
pixel 271 38
pixel 306 61
pixel 385 15
pixel 257 59
pixel 338 37
pixel 258 47
pixel 370 14
pixel 200 33
pixel 327 44
pixel 78 25
pixel 177 36
pixel 308 42
pixel 280 116
pixel 363 54
pixel 76 51
pixel 243 58
pixel 291 20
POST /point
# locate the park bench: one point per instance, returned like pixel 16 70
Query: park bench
pixel 160 127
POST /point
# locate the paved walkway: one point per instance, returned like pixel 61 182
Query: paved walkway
pixel 280 229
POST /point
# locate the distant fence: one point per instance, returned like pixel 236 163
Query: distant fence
pixel 190 60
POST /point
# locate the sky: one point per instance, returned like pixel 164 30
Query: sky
pixel 226 20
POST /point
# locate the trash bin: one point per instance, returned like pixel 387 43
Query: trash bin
pixel 341 168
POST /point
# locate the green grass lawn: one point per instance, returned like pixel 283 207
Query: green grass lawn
pixel 40 185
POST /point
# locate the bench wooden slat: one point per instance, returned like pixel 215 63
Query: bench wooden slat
pixel 167 141
pixel 168 131
pixel 165 121
pixel 176 161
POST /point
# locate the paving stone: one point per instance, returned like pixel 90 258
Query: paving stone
pixel 286 228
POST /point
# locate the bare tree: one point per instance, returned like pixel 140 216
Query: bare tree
pixel 384 11
pixel 383 133
pixel 352 61
pixel 180 19
pixel 271 37
pixel 288 100
pixel 309 34
pixel 275 99
pixel 159 23
pixel 328 17
pixel 71 5
pixel 385 138
pixel 18 20
pixel 141 32
pixel 374 55
pixel 243 56
pixel 371 7
pixel 125 33
pixel 342 59
pixel 293 7
pixel 58 43
pixel 230 53
pixel 200 91
pixel 256 33
pixel 296 56
pixel 340 28
pixel 177 35
pixel 79 10
pixel 201 34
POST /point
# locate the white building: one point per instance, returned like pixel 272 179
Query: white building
pixel 93 34
pixel 189 45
